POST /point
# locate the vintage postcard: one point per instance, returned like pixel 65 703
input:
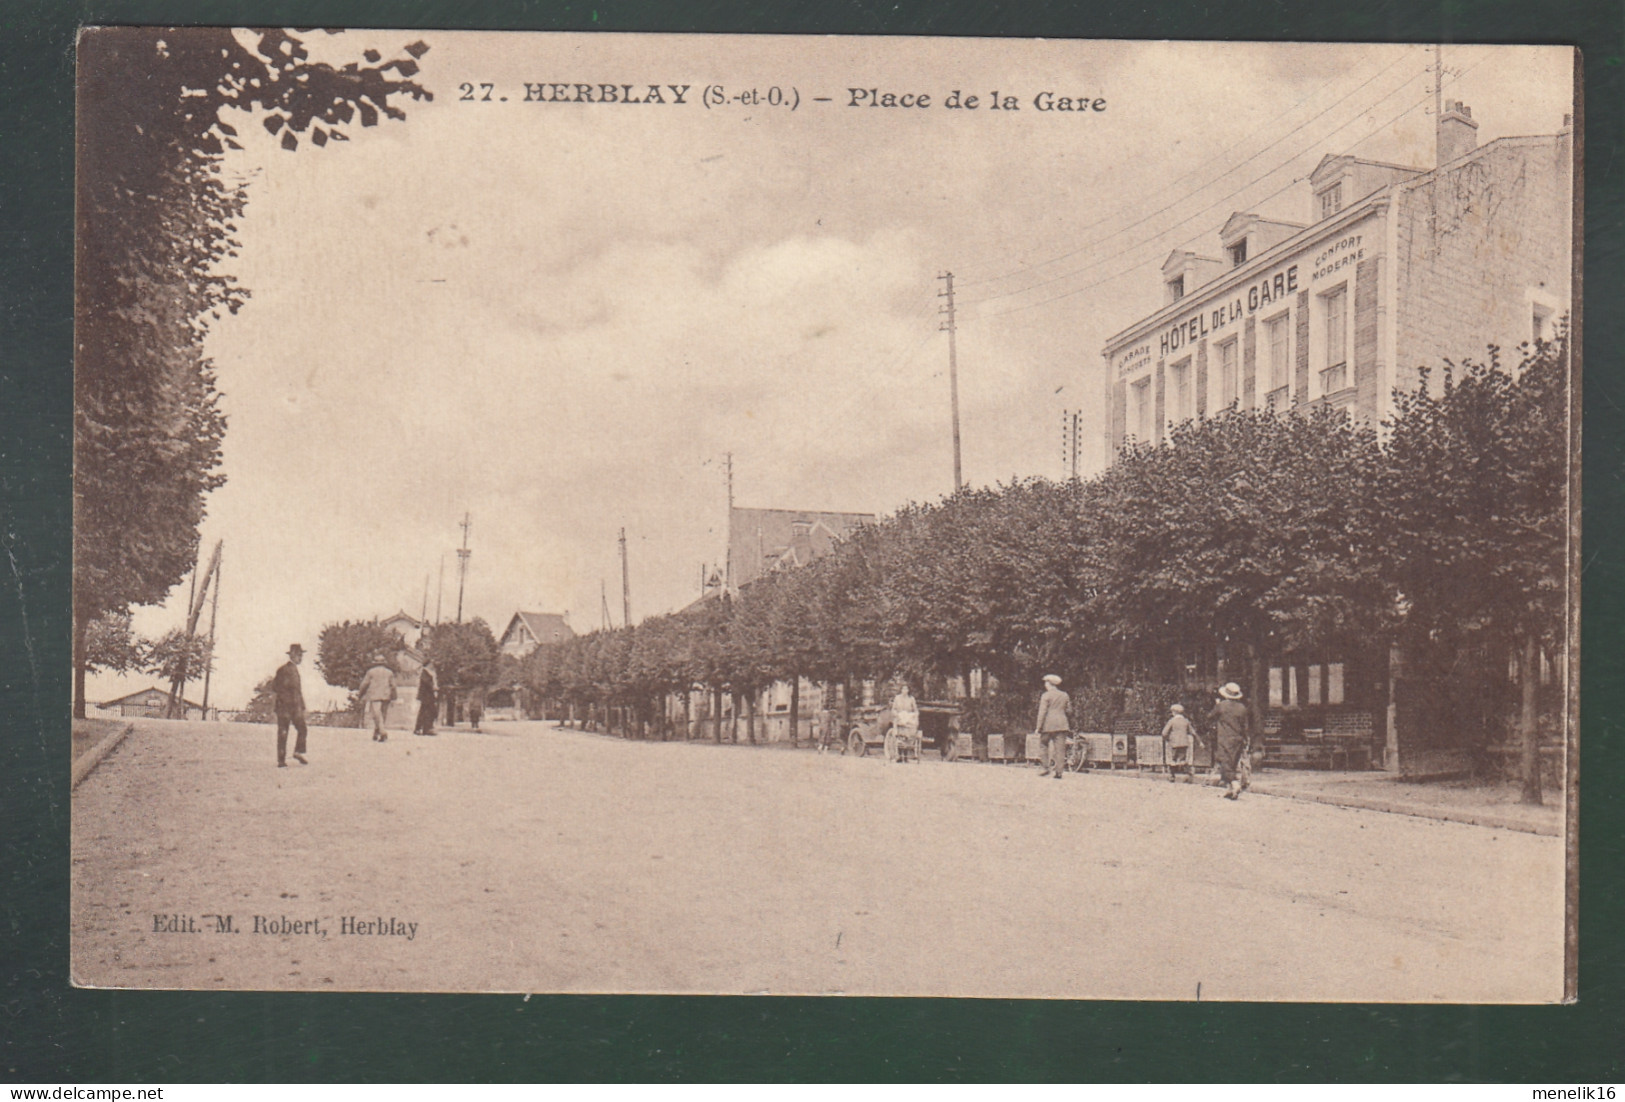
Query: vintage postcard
pixel 817 515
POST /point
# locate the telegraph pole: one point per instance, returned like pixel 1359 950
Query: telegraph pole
pixel 462 568
pixel 953 366
pixel 1071 440
pixel 214 612
pixel 626 585
pixel 177 684
pixel 603 601
pixel 728 554
pixel 1438 97
pixel 440 589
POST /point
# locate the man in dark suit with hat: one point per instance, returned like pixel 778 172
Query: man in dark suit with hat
pixel 290 707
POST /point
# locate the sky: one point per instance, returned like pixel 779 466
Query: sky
pixel 560 318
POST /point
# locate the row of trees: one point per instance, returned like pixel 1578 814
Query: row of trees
pixel 1243 535
pixel 156 233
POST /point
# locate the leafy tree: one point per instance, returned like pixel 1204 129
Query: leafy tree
pixel 175 654
pixel 111 645
pixel 344 652
pixel 155 235
pixel 1246 530
pixel 262 705
pixel 1476 484
pixel 464 655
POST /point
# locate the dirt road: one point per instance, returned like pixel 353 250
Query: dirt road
pixel 531 859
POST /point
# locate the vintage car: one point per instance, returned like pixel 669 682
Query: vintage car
pixel 939 723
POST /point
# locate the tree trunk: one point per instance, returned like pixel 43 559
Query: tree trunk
pixel 795 710
pixel 1528 725
pixel 716 713
pixel 1257 697
pixel 81 632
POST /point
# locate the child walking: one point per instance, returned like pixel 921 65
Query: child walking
pixel 1176 744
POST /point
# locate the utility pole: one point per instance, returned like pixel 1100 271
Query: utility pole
pixel 1438 97
pixel 214 612
pixel 603 601
pixel 948 324
pixel 440 589
pixel 423 620
pixel 177 684
pixel 1071 440
pixel 728 554
pixel 626 585
pixel 462 568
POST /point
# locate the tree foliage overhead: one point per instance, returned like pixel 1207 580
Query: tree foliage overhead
pixel 157 218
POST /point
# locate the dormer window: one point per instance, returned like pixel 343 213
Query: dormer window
pixel 1176 288
pixel 1331 200
pixel 1238 253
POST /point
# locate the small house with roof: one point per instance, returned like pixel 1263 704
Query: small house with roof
pixel 528 630
pixel 152 704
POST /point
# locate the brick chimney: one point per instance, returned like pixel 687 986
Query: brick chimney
pixel 1457 133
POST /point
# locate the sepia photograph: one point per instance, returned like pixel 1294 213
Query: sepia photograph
pixel 816 515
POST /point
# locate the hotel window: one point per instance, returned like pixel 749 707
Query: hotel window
pixel 1141 428
pixel 1228 375
pixel 1176 288
pixel 1277 342
pixel 1238 253
pixel 1331 200
pixel 1334 375
pixel 1179 408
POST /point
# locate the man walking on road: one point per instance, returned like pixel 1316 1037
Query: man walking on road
pixel 428 702
pixel 1229 717
pixel 377 687
pixel 1053 726
pixel 290 708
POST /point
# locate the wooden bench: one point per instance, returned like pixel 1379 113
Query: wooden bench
pixel 1298 755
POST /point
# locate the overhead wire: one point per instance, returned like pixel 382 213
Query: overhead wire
pixel 1196 214
pixel 978 316
pixel 1027 269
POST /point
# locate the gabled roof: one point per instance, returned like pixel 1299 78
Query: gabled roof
pixel 1335 162
pixel 1179 258
pixel 131 698
pixel 402 616
pixel 1242 220
pixel 544 627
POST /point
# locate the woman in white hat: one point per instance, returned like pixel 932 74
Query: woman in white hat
pixel 1229 719
pixel 1053 725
